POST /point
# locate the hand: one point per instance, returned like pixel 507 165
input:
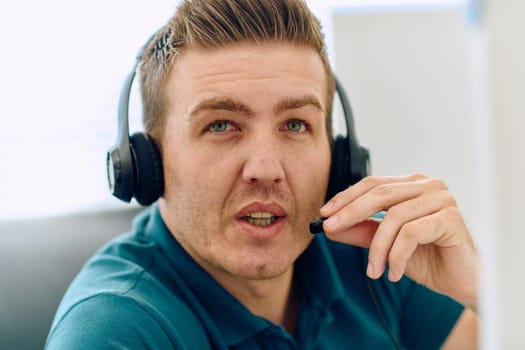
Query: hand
pixel 422 235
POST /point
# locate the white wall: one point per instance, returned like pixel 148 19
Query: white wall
pixel 62 66
pixel 407 77
pixel 506 28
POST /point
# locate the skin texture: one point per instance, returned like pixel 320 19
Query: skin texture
pixel 246 133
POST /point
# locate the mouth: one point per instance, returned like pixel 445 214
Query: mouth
pixel 261 219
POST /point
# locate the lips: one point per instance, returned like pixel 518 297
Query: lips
pixel 261 215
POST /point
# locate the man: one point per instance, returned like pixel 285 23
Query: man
pixel 237 95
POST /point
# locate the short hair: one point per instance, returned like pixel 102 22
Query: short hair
pixel 213 24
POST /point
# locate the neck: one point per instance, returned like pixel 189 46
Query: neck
pixel 274 299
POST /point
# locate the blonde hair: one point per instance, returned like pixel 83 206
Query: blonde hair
pixel 215 24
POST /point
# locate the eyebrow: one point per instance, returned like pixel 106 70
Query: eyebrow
pixel 297 102
pixel 230 105
pixel 222 103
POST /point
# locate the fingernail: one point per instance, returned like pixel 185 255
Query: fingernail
pixel 370 270
pixel 331 221
pixel 392 276
pixel 327 206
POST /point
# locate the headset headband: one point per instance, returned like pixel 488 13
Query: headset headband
pixel 129 167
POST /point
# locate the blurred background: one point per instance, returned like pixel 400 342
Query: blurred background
pixel 436 87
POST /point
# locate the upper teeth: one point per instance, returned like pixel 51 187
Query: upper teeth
pixel 260 218
pixel 260 215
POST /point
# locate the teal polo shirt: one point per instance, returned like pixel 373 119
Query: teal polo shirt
pixel 143 291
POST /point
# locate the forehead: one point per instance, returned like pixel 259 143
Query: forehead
pixel 248 65
pixel 237 52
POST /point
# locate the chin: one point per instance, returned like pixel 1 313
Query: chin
pixel 261 265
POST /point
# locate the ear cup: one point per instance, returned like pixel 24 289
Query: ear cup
pixel 120 172
pixel 339 168
pixel 149 180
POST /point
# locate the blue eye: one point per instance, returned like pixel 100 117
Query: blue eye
pixel 295 125
pixel 219 126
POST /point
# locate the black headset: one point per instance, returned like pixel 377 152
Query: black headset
pixel 134 164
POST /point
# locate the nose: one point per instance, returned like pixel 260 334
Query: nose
pixel 263 161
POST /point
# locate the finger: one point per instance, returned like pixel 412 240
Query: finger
pixel 409 239
pixel 396 219
pixel 359 235
pixel 342 198
pixel 440 258
pixel 382 197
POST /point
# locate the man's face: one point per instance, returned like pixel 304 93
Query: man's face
pixel 246 156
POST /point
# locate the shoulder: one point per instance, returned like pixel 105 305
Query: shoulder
pixel 122 295
pixel 113 321
pixel 100 319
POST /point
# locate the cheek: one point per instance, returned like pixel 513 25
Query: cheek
pixel 310 173
pixel 198 173
pixel 318 161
